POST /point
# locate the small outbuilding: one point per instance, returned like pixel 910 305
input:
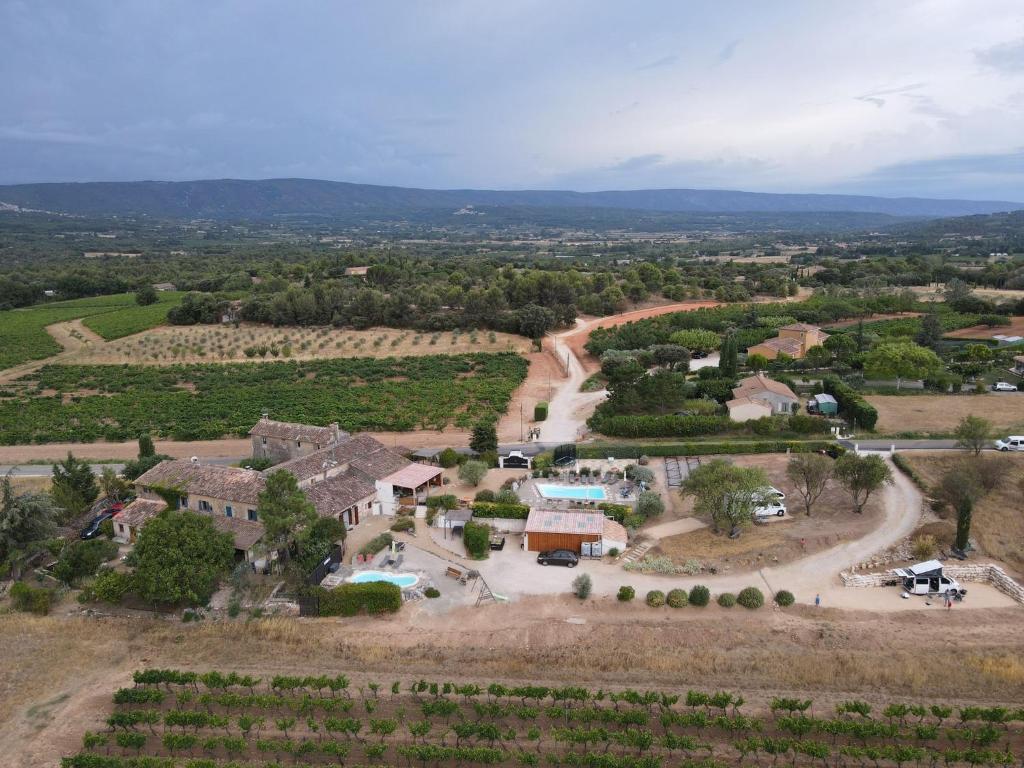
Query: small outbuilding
pixel 823 405
pixel 589 533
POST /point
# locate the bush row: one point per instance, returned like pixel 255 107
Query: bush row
pixel 619 451
pixel 499 510
pixel 856 408
pixel 750 597
pixel 353 599
pixel 657 426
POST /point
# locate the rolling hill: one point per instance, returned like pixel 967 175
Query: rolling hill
pixel 243 199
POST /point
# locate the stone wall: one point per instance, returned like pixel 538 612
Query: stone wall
pixel 986 573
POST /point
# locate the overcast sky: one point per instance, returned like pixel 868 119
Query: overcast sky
pixel 909 97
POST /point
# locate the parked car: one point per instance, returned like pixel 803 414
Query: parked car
pixel 770 508
pixel 1004 386
pixel 1011 443
pixel 559 557
pixel 497 542
pixel 92 530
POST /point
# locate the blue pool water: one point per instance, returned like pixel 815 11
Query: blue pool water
pixel 403 580
pixel 581 492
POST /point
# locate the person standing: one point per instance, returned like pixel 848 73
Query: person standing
pixel 817 601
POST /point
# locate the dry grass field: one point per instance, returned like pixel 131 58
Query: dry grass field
pixel 252 343
pixel 984 332
pixel 934 293
pixel 779 540
pixel 998 518
pixel 939 414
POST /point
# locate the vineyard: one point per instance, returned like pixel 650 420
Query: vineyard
pixel 174 719
pixel 23 335
pixel 207 401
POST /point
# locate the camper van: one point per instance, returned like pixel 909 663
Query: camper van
pixel 928 579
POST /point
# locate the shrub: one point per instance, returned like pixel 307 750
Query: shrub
pixel 83 558
pixel 111 586
pixel 784 598
pixel 677 598
pixel 473 472
pixel 432 592
pixel 924 547
pixel 376 544
pixel 700 596
pixel 30 599
pixel 445 500
pixel 626 593
pixel 448 458
pixel 613 551
pixel 617 512
pixel 582 586
pixel 486 495
pixel 649 504
pixel 750 597
pixel 727 599
pixel 504 511
pixel 655 598
pixel 506 496
pixel 403 524
pixel 352 599
pixel 540 411
pixel 476 537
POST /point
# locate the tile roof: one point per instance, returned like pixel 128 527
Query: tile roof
pixel 286 430
pixel 614 530
pixel 245 532
pixel 139 511
pixel 737 402
pixel 554 521
pixel 360 451
pixel 212 480
pixel 336 494
pixel 799 327
pixel 413 475
pixel 791 347
pixel 759 383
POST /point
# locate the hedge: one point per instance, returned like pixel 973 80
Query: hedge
pixel 658 426
pixel 540 411
pixel 30 599
pixel 904 466
pixel 622 451
pixel 503 511
pixel 376 544
pixel 446 500
pixel 477 539
pixel 351 599
pixel 859 410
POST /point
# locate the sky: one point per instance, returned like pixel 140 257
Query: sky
pixel 914 97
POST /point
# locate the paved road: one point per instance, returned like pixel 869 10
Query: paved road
pixel 901 445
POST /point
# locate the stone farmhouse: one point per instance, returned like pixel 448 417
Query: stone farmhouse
pixel 347 477
pixel 793 340
pixel 758 396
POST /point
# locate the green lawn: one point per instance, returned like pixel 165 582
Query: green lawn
pixel 208 401
pixel 23 335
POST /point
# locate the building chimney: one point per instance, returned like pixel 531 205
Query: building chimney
pixel 335 431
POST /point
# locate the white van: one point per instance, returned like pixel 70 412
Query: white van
pixel 770 508
pixel 928 579
pixel 1011 443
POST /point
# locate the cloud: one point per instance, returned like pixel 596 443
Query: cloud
pixel 664 61
pixel 1006 57
pixel 875 96
pixel 637 162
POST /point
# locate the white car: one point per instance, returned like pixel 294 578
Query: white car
pixel 770 508
pixel 1011 443
pixel 1003 386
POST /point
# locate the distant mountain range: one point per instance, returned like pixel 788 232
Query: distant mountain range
pixel 235 199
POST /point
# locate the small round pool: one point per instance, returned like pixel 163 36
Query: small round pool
pixel 402 580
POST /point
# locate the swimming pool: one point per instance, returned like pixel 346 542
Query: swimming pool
pixel 579 492
pixel 403 580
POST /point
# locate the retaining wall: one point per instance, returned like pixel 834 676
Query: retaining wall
pixel 986 573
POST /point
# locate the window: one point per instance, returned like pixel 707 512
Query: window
pixel 252 514
pixel 183 502
pixel 228 511
pixel 205 506
pixel 298 443
pixel 264 440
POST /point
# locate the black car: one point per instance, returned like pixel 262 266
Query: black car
pixel 92 530
pixel 559 557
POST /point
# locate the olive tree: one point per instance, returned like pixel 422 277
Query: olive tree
pixel 972 433
pixel 725 493
pixel 862 476
pixel 810 473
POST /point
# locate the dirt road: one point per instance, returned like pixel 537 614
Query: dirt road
pixel 72 335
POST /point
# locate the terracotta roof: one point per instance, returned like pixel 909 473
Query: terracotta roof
pixel 360 451
pixel 245 532
pixel 413 475
pixel 139 511
pixel 614 530
pixel 336 494
pixel 217 482
pixel 554 521
pixel 752 385
pixel 748 401
pixel 286 430
pixel 799 327
pixel 791 347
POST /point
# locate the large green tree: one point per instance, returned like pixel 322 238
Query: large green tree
pixel 901 360
pixel 484 438
pixel 973 433
pixel 74 485
pixel 862 476
pixel 725 493
pixel 727 363
pixel 180 557
pixel 809 473
pixel 283 509
pixel 26 521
